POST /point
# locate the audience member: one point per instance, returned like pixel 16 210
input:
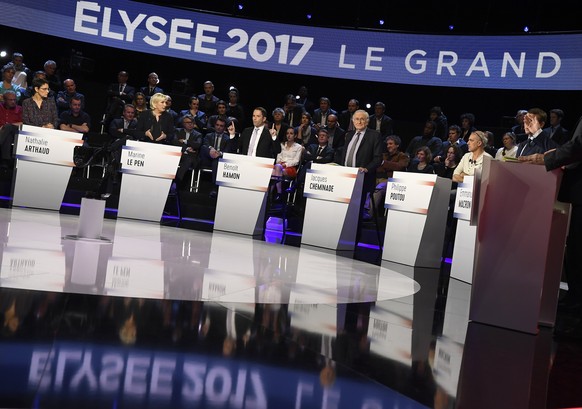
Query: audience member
pixel 52 76
pixel 303 99
pixel 220 112
pixel 538 140
pixel 64 97
pixel 442 126
pixel 151 88
pixel 215 144
pixel 320 114
pixel 120 128
pixel 426 139
pixel 446 167
pixel 345 117
pixel 234 108
pixel 190 140
pixel 75 119
pixel 208 100
pixel 453 140
pixel 40 110
pixel 29 92
pixel 8 72
pixel 335 133
pixel 118 94
pixel 10 121
pixel 518 129
pixel 392 160
pixel 422 163
pixel 306 133
pixel 509 149
pixel 467 125
pixel 380 121
pixel 557 132
pixel 23 74
pixel 288 160
pixel 169 110
pixel 293 111
pixel 320 152
pixel 140 104
pixel 278 127
pixel 199 116
pixel 156 125
pixel 473 159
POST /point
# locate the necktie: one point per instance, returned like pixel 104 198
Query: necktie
pixel 253 142
pixel 121 87
pixel 186 136
pixel 125 124
pixel 319 151
pixel 216 142
pixel 350 158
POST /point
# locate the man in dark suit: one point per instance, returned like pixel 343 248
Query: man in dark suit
pixel 557 132
pixel 214 145
pixel 363 149
pixel 319 152
pixel 380 121
pixel 118 94
pixel 569 157
pixel 152 87
pixel 191 141
pixel 293 111
pixel 345 117
pixel 538 140
pixel 320 114
pixel 256 140
pixel 120 129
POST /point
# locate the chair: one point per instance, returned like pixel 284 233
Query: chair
pixel 96 141
pixel 195 180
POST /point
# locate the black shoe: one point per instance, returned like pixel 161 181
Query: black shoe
pixel 213 194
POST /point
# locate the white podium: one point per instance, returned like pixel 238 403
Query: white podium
pixel 521 237
pixel 43 166
pixel 148 170
pixel 466 233
pixel 332 208
pixel 417 206
pixel 244 181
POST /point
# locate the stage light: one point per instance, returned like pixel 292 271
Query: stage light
pixel 240 7
pixel 526 29
pixel 381 22
pixel 308 17
pixel 368 105
pixel 3 54
pixel 451 27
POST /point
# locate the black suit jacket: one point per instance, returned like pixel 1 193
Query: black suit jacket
pixel 225 144
pixel 386 125
pixel 317 114
pixel 266 146
pixel 128 92
pixel 326 156
pixel 117 124
pixel 560 135
pixel 194 141
pixel 368 155
pixel 542 143
pixel 570 155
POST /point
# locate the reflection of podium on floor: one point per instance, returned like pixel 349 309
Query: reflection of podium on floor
pixel 417 214
pixel 244 181
pixel 148 170
pixel 43 167
pixel 521 234
pixel 332 208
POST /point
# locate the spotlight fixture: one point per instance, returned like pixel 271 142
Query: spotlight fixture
pixel 3 54
pixel 381 22
pixel 240 6
pixel 451 27
pixel 526 29
pixel 308 16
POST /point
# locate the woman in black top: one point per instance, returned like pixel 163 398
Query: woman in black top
pixel 156 125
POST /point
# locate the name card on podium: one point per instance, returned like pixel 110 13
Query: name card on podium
pixel 464 199
pixel 244 172
pixel 148 170
pixel 332 183
pixel 148 159
pixel 46 145
pixel 44 161
pixel 411 193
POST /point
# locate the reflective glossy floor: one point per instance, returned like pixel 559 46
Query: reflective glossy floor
pixel 159 316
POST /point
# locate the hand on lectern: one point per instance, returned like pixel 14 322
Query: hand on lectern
pixel 535 159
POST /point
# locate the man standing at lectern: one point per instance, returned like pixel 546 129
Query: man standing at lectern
pixel 256 140
pixel 569 157
pixel 363 150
